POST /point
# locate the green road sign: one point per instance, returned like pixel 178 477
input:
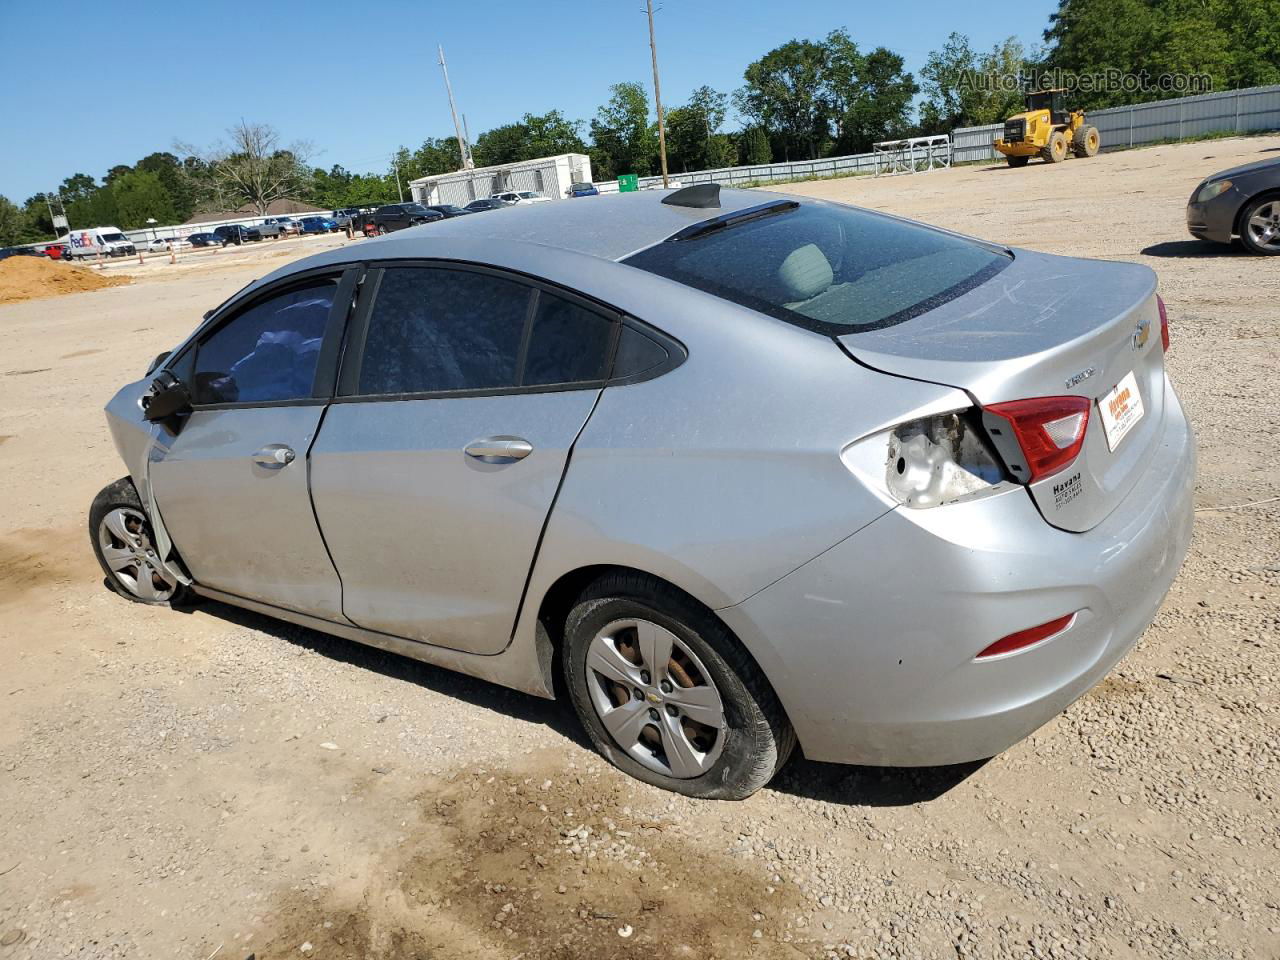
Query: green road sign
pixel 628 183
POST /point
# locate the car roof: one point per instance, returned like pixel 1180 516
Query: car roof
pixel 541 239
pixel 611 229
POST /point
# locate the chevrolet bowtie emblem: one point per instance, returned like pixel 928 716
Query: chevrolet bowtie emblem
pixel 1140 335
pixel 654 698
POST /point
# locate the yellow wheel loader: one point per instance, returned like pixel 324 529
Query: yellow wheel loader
pixel 1047 129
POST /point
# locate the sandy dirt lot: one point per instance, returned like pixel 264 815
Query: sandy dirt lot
pixel 209 782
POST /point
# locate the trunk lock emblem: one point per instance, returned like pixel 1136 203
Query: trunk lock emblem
pixel 1142 333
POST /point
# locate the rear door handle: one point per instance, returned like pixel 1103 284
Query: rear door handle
pixel 274 456
pixel 499 449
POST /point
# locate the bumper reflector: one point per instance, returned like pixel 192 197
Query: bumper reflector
pixel 1026 638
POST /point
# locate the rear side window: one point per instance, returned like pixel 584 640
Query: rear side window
pixel 267 353
pixel 827 267
pixel 437 330
pixel 567 343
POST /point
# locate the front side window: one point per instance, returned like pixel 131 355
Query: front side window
pixel 828 267
pixel 437 330
pixel 267 353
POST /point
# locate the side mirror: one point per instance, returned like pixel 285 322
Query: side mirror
pixel 169 397
pixel 157 361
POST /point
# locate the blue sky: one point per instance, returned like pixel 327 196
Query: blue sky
pixel 96 84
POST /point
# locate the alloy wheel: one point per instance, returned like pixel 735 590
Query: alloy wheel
pixel 656 698
pixel 1264 225
pixel 125 539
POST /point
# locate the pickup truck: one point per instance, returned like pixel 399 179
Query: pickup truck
pixel 397 216
pixel 278 226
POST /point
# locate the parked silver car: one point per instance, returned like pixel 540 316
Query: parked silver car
pixel 741 469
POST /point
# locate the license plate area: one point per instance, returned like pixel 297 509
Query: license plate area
pixel 1120 409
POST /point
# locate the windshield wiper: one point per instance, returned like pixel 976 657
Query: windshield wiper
pixel 727 220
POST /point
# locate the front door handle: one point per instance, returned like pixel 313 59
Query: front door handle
pixel 274 456
pixel 499 449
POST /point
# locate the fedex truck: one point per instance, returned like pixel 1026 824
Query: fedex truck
pixel 108 241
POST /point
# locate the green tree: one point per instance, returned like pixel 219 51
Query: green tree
pixel 435 156
pixel 1234 43
pixel 140 195
pixel 15 225
pixel 943 82
pixel 753 146
pixel 784 93
pixel 79 186
pixel 173 176
pixel 623 138
pixel 878 104
pixel 508 143
pixel 694 140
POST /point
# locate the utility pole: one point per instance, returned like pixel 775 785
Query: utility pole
pixel 395 160
pixel 657 97
pixel 464 153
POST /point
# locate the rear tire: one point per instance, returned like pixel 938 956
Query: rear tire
pixel 615 628
pixel 124 544
pixel 1055 151
pixel 1085 142
pixel 1017 161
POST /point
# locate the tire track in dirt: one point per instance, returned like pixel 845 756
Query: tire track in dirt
pixel 548 862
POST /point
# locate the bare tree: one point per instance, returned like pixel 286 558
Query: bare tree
pixel 253 168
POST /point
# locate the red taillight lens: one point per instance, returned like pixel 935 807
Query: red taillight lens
pixel 1164 322
pixel 1050 431
pixel 1025 638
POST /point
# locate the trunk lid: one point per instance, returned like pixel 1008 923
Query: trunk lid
pixel 1047 326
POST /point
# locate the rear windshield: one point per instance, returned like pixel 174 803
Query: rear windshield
pixel 828 267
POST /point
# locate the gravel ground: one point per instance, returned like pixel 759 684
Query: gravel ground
pixel 178 783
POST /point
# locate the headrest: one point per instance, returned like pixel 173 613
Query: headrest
pixel 805 272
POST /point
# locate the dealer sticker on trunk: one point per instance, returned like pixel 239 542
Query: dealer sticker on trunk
pixel 1121 409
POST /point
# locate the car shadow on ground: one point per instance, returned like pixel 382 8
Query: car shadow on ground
pixel 1192 249
pixel 871 786
pixel 827 782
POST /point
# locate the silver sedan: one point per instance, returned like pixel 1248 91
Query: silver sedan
pixel 742 470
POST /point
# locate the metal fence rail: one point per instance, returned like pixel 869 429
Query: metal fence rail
pixel 1236 111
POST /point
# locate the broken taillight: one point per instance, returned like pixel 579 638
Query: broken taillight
pixel 1164 323
pixel 1026 638
pixel 1049 431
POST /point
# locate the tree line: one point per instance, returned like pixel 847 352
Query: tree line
pixel 803 100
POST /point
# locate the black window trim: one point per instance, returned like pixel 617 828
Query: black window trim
pixel 322 389
pixel 357 332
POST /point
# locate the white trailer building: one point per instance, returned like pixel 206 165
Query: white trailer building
pixel 549 176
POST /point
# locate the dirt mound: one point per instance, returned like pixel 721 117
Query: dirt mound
pixel 33 278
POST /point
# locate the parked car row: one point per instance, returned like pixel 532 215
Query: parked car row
pixel 397 216
pixel 112 242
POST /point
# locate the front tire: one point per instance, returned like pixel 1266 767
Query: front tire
pixel 1055 151
pixel 1017 161
pixel 1260 226
pixel 667 694
pixel 125 547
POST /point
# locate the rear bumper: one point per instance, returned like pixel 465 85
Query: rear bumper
pixel 870 646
